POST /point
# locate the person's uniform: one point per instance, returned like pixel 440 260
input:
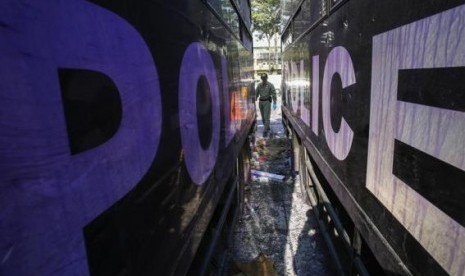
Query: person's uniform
pixel 265 94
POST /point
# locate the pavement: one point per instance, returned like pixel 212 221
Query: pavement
pixel 278 230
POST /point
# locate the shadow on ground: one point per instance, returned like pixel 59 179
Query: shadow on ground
pixel 277 226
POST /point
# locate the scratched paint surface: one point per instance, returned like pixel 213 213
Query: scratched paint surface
pixel 391 150
pixel 42 184
pixel 438 132
pixel 139 199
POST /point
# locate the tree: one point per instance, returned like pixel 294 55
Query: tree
pixel 266 17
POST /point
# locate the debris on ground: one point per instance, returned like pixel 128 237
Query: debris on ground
pixel 277 233
pixel 266 175
pixel 260 266
pixel 268 155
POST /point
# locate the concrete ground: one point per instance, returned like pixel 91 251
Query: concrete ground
pixel 277 224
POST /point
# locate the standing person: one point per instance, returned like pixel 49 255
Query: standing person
pixel 266 94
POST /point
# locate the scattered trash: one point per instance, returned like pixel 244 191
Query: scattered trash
pixel 271 155
pixel 260 247
pixel 271 176
pixel 260 266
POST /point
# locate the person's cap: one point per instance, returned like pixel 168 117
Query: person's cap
pixel 264 76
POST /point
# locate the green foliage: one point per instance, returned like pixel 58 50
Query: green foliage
pixel 266 15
